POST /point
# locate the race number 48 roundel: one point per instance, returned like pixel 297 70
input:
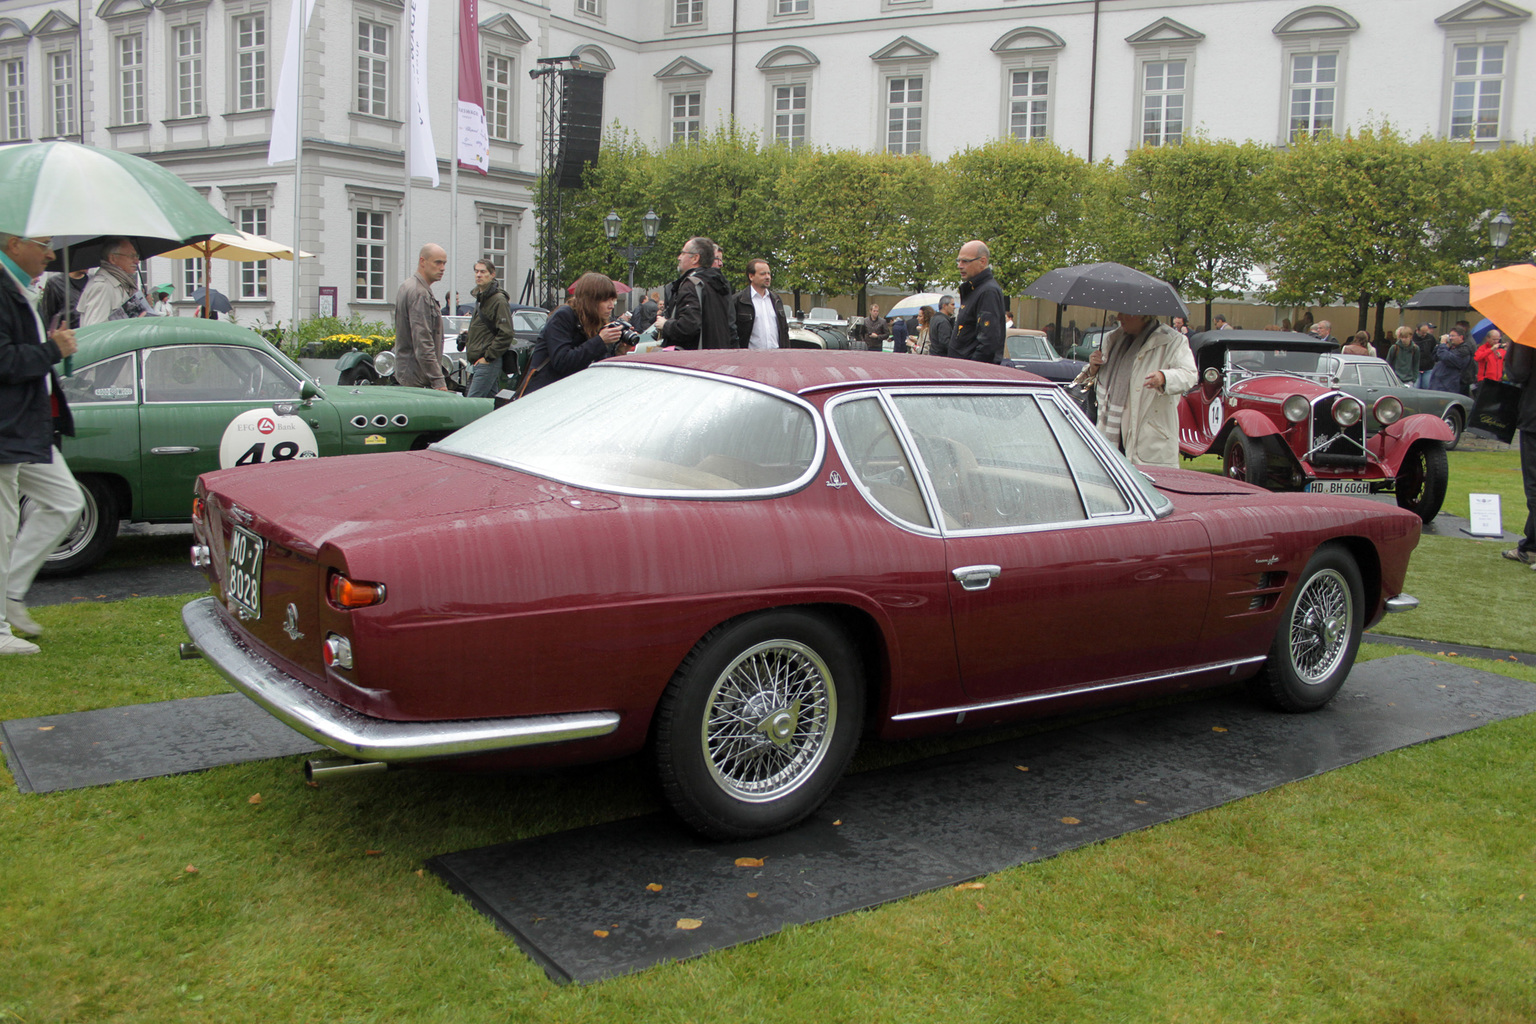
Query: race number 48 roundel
pixel 261 435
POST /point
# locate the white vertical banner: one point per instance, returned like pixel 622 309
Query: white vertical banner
pixel 423 152
pixel 285 105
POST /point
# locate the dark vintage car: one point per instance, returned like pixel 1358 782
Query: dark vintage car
pixel 742 562
pixel 1265 404
pixel 158 400
pixel 1025 349
pixel 1368 378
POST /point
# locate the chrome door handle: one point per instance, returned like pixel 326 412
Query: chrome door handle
pixel 977 577
pixel 173 451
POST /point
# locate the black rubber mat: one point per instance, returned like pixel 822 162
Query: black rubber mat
pixel 609 899
pixel 141 741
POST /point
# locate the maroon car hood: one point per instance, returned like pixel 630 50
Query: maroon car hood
pixel 1189 481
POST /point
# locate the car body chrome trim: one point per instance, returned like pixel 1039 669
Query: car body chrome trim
pixel 1402 603
pixel 1074 691
pixel 334 725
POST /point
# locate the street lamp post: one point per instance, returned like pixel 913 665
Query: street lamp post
pixel 1498 233
pixel 650 224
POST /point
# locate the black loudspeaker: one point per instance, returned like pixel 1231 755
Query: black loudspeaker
pixel 581 124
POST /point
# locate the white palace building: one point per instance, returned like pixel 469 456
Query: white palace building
pixel 192 85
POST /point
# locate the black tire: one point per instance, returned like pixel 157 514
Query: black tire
pixel 1457 421
pixel 92 537
pixel 1245 458
pixel 1318 636
pixel 738 752
pixel 357 373
pixel 1421 480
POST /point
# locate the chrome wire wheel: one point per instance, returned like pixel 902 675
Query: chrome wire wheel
pixel 1320 627
pixel 769 720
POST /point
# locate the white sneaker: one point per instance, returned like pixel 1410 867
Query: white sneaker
pixel 12 644
pixel 21 622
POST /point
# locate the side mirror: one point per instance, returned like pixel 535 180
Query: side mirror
pixel 308 392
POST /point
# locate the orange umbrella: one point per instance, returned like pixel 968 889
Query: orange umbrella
pixel 1507 296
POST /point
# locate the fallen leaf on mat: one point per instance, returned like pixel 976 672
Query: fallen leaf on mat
pixel 654 887
pixel 1439 686
pixel 749 862
pixel 753 896
pixel 1452 654
pixel 688 924
pixel 1141 801
pixel 421 873
pixel 839 821
pixel 1070 821
pixel 255 798
pixel 601 933
pixel 971 885
pixel 45 728
pixel 1021 768
pixel 1218 728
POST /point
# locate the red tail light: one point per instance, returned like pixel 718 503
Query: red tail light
pixel 198 509
pixel 346 593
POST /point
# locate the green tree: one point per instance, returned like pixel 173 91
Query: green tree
pixel 1025 200
pixel 1188 214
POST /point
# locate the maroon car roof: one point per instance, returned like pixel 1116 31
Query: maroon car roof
pixel 799 370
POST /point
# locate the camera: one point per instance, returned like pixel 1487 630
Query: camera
pixel 628 338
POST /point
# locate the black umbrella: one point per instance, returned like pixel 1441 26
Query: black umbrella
pixel 84 253
pixel 214 299
pixel 1108 286
pixel 1441 296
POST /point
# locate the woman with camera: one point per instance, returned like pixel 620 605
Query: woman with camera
pixel 577 335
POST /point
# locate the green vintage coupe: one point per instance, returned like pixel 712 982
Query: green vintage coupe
pixel 159 400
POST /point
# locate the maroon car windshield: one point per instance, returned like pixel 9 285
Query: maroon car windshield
pixel 640 429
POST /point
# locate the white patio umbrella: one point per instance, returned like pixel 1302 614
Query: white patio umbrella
pixel 240 247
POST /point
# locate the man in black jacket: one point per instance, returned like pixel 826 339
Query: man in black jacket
pixel 979 330
pixel 699 314
pixel 645 313
pixel 33 411
pixel 941 329
pixel 1520 369
pixel 490 332
pixel 760 319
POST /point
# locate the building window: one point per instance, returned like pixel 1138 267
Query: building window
pixel 370 255
pixel 495 246
pixel 498 96
pixel 130 79
pixel 253 276
pixel 687 13
pixel 593 8
pixel 372 68
pixel 785 8
pixel 1029 104
pixel 61 75
pixel 251 62
pixel 191 276
pixel 904 114
pixel 1477 91
pixel 1314 81
pixel 15 100
pixel 789 114
pixel 188 45
pixel 685 116
pixel 1162 102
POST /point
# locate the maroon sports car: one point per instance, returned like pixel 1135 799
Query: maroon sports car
pixel 742 561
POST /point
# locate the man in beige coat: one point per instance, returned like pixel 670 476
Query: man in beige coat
pixel 1140 372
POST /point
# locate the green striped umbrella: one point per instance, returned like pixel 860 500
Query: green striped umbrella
pixel 63 188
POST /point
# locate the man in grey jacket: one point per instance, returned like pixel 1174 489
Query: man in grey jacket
pixel 419 323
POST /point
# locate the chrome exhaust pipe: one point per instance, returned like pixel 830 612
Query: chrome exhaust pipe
pixel 315 770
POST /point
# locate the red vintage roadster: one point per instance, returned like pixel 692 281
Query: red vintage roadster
pixel 1268 405
pixel 741 562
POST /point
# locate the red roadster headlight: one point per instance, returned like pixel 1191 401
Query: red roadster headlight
pixel 1297 409
pixel 1347 411
pixel 345 593
pixel 1388 409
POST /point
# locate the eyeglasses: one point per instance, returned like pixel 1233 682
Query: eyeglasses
pixel 41 243
pixel 966 259
pixel 130 254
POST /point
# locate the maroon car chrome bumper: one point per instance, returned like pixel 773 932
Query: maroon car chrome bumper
pixel 338 727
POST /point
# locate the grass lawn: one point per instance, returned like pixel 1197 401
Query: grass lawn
pixel 1402 889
